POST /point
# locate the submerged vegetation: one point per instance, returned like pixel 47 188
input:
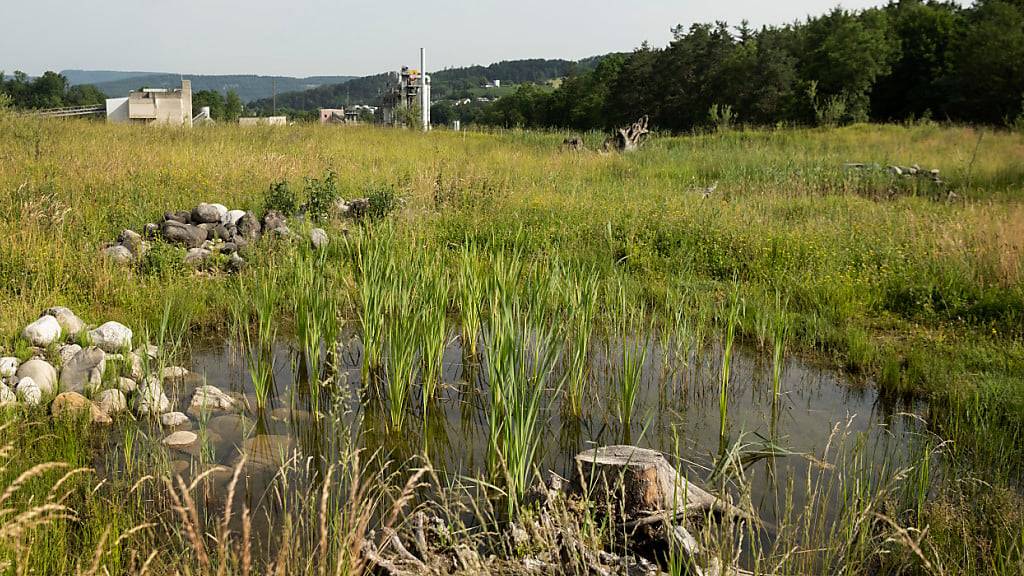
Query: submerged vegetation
pixel 574 284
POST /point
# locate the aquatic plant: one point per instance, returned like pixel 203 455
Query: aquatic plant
pixel 469 296
pixel 433 328
pixel 581 299
pixel 733 314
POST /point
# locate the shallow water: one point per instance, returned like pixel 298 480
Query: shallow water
pixel 677 412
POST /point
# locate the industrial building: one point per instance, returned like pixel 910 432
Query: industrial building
pixel 411 88
pixel 154 106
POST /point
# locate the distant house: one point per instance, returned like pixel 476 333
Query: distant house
pixel 493 84
pixel 342 115
pixel 153 106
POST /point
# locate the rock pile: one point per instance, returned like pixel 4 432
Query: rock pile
pixel 101 377
pixel 210 230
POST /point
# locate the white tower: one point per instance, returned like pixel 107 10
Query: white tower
pixel 424 90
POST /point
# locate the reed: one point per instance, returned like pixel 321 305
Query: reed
pixel 402 344
pixel 581 297
pixel 317 321
pixel 433 329
pixel 470 295
pixel 631 329
pixel 733 314
pixel 375 274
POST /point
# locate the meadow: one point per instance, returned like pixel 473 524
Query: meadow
pixel 534 257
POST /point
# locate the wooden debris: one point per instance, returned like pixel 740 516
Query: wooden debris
pixel 630 138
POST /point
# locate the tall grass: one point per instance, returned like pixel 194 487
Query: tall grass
pixel 581 288
pixel 402 344
pixel 732 314
pixel 255 324
pixel 470 296
pixel 433 329
pixel 631 333
pixel 316 319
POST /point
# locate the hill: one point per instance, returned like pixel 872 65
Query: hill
pixel 448 83
pixel 248 86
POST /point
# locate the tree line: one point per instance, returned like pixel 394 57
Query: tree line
pixel 910 59
pixel 51 90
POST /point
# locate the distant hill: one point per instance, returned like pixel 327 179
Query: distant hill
pixel 448 83
pixel 249 86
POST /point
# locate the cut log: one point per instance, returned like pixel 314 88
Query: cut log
pixel 638 482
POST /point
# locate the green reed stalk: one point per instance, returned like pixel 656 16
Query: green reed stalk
pixel 402 340
pixel 581 296
pixel 376 271
pixel 433 326
pixel 316 319
pixel 630 324
pixel 470 295
pixel 723 387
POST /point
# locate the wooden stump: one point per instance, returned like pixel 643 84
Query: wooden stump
pixel 636 483
pixel 629 138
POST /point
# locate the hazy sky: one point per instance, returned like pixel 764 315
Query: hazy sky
pixel 311 37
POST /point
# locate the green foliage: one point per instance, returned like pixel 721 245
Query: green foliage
pixel 383 200
pixel 282 198
pixel 321 194
pixel 163 260
pixel 232 106
pixel 51 90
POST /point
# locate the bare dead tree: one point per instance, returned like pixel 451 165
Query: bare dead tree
pixel 629 138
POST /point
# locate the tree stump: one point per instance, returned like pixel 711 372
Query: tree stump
pixel 637 482
pixel 629 138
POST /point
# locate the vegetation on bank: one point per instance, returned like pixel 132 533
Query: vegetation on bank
pixel 893 281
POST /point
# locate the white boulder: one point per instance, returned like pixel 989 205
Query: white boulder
pixel 69 322
pixel 173 419
pixel 111 337
pixel 209 399
pixel 84 370
pixel 43 332
pixel 8 366
pixel 29 391
pixel 42 374
pixel 112 401
pixel 151 398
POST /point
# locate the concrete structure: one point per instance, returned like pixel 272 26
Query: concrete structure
pixel 154 106
pixel 264 120
pixel 412 88
pixel 340 115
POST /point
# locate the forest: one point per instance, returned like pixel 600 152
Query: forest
pixel 907 60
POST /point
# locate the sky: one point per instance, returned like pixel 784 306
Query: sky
pixel 341 37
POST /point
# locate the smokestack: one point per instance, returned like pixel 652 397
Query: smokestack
pixel 424 90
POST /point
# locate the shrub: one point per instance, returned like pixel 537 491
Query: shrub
pixel 320 197
pixel 382 199
pixel 163 260
pixel 280 197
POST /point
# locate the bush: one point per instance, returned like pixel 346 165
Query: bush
pixel 280 197
pixel 382 199
pixel 320 197
pixel 163 260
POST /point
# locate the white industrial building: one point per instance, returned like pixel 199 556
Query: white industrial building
pixel 154 106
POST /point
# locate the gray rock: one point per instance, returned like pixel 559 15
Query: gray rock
pixel 208 399
pixel 118 254
pixel 228 248
pixel 127 385
pixel 181 439
pixel 8 366
pixel 249 227
pixel 131 240
pixel 70 324
pixel 67 352
pixel 196 256
pixel 273 220
pixel 180 216
pixel 186 234
pixel 84 371
pixel 150 350
pixel 234 216
pixel 318 237
pixel 41 373
pixel 151 400
pixel 151 229
pixel 220 232
pixel 111 337
pixel 43 332
pixel 112 401
pixel 7 396
pixel 173 419
pixel 173 373
pixel 236 262
pixel 209 213
pixel 74 404
pixel 29 391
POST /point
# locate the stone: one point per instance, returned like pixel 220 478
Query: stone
pixel 84 371
pixel 151 229
pixel 7 396
pixel 357 208
pixel 249 227
pixel 173 373
pixel 236 262
pixel 233 216
pixel 118 254
pixel 267 450
pixel 112 401
pixel 70 324
pixel 150 350
pixel 73 404
pixel 43 332
pixel 196 256
pixel 67 352
pixel 8 366
pixel 220 232
pixel 273 220
pixel 136 367
pixel 209 213
pixel 131 240
pixel 111 337
pixel 42 374
pixel 151 399
pixel 186 234
pixel 318 238
pixel 208 399
pixel 173 419
pixel 180 439
pixel 181 217
pixel 127 385
pixel 29 391
pixel 228 248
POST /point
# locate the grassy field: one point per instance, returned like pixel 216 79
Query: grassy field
pixel 893 280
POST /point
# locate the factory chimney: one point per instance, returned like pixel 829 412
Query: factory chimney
pixel 424 90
